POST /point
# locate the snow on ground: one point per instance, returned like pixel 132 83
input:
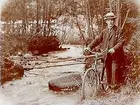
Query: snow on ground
pixel 32 89
pixel 74 51
pixel 5 100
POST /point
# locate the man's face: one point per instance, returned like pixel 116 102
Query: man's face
pixel 110 23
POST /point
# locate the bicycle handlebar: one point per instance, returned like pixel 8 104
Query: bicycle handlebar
pixel 97 53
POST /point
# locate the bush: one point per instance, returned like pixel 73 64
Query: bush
pixel 43 44
pixel 10 71
pixel 132 67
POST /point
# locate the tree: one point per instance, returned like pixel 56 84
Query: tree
pixel 42 17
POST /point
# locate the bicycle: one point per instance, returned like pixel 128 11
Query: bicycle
pixel 93 79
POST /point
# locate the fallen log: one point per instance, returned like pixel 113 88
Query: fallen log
pixel 56 61
pixel 58 65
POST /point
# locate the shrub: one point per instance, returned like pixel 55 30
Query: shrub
pixel 10 71
pixel 43 44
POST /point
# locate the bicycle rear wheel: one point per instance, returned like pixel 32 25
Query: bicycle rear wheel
pixel 90 83
pixel 104 83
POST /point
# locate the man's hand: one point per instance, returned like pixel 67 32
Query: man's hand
pixel 86 50
pixel 111 50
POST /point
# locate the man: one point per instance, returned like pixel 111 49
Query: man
pixel 111 39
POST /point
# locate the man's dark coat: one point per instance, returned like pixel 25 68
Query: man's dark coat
pixel 113 39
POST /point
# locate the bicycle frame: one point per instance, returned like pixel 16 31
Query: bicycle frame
pixel 97 58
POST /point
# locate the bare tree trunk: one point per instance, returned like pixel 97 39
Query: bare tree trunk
pixel 81 33
pixel 102 14
pixel 118 13
pixel 24 19
pixel 48 17
pixel 37 16
pixel 110 7
pixel 89 21
pixel 44 19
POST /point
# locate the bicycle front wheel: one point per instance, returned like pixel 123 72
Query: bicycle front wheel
pixel 90 83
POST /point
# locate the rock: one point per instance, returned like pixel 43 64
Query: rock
pixel 70 82
pixel 19 54
pixel 44 55
pixel 27 65
pixel 28 56
pixel 10 71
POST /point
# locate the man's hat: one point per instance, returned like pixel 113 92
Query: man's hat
pixel 109 15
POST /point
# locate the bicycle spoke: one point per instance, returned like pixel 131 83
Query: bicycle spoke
pixel 90 82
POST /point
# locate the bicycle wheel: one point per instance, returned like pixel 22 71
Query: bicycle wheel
pixel 90 83
pixel 104 83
